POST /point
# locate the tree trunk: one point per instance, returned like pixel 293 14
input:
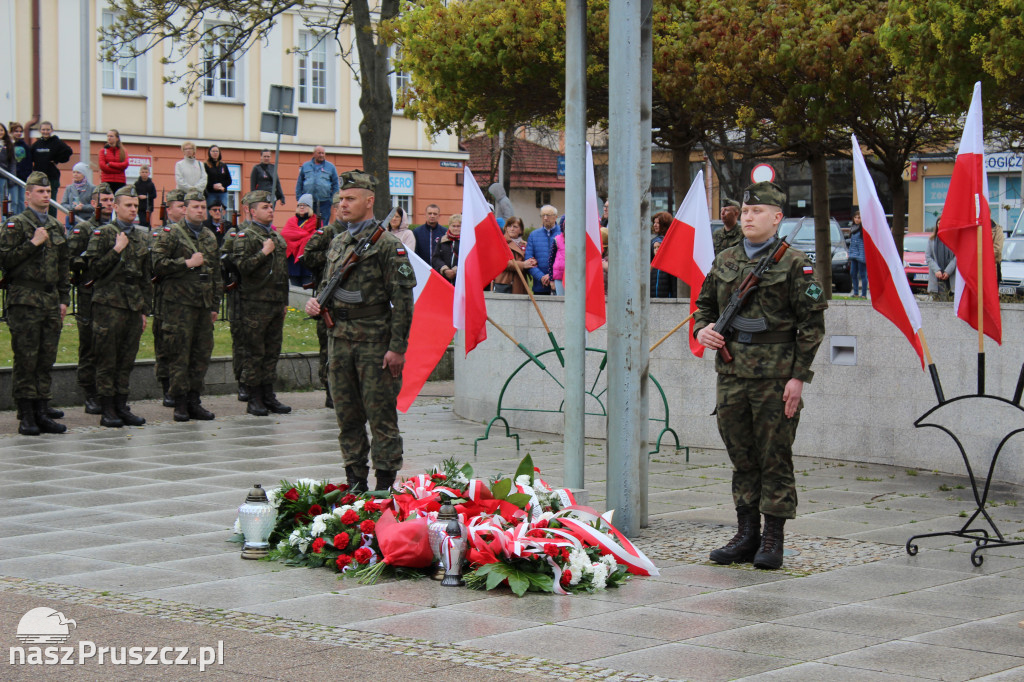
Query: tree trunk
pixel 899 208
pixel 822 239
pixel 375 99
pixel 681 174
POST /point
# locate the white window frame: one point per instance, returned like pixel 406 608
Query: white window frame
pixel 397 79
pixel 405 203
pixel 305 70
pixel 228 74
pixel 117 71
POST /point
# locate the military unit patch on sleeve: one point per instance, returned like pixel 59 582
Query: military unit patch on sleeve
pixel 405 270
pixel 97 231
pixel 401 251
pixel 813 291
pixel 240 234
pixel 75 231
pixel 808 270
pixel 167 229
pixel 11 224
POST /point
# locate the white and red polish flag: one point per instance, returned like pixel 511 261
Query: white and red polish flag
pixel 688 250
pixel 967 207
pixel 483 255
pixel 890 291
pixel 431 331
pixel 596 315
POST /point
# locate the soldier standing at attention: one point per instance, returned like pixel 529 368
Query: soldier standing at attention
pixel 314 257
pixel 186 259
pixel 758 395
pixel 34 256
pixel 119 264
pixel 78 239
pixel 368 342
pixel 258 252
pixel 174 202
pixel 730 235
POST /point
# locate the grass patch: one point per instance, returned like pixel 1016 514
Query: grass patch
pixel 911 472
pixel 868 478
pixel 299 336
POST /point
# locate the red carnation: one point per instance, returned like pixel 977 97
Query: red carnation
pixel 342 561
pixel 292 495
pixel 371 506
pixel 315 510
pixel 543 523
pixel 367 526
pixel 348 499
pixel 363 555
pixel 566 578
pixel 350 517
pixel 551 550
pixel 565 554
pixel 330 488
pixel 343 487
pixel 318 545
pixel 439 477
pixel 300 518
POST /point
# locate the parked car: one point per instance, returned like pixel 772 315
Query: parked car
pixel 914 262
pixel 803 239
pixel 1012 282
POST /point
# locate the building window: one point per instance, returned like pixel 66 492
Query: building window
pixel 221 70
pixel 312 55
pixel 400 80
pixel 404 203
pixel 121 75
pixel 935 190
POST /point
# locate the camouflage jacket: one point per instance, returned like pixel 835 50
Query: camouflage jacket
pixel 789 298
pixel 37 275
pixel 78 239
pixel 314 256
pixel 383 276
pixel 264 278
pixel 121 280
pixel 724 239
pixel 199 287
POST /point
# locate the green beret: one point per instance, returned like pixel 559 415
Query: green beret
pixel 258 196
pixel 102 188
pixel 174 195
pixel 194 195
pixel 37 178
pixel 767 193
pixel 356 179
pixel 727 203
pixel 126 191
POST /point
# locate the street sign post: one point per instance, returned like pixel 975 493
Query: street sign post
pixel 279 121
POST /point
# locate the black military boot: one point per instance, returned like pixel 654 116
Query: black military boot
pixel 52 412
pixel 743 545
pixel 92 400
pixel 769 555
pixel 27 418
pixel 43 420
pixel 271 401
pixel 109 416
pixel 329 402
pixel 196 409
pixel 168 398
pixel 385 479
pixel 356 483
pixel 243 393
pixel 125 412
pixel 181 408
pixel 256 405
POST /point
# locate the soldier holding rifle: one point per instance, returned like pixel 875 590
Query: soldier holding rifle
pixel 368 311
pixel 764 359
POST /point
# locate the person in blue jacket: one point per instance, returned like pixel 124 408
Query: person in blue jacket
pixel 318 177
pixel 540 245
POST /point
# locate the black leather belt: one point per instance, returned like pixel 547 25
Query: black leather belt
pixel 204 277
pixel 359 313
pixel 787 336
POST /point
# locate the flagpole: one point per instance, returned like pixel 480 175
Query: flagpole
pixel 981 313
pixel 525 350
pixel 674 330
pixel 536 306
pixel 932 370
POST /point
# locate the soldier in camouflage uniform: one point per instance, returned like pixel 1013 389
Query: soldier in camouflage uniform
pixel 368 342
pixel 187 261
pixel 34 257
pixel 233 316
pixel 119 264
pixel 258 252
pixel 314 257
pixel 758 396
pixel 730 234
pixel 78 239
pixel 174 202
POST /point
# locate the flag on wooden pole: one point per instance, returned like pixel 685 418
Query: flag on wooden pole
pixel 596 314
pixel 431 330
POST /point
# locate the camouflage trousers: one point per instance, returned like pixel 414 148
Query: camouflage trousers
pixel 188 337
pixel 362 391
pixel 321 336
pixel 86 373
pixel 258 337
pixel 35 335
pixel 234 323
pixel 160 349
pixel 116 334
pixel 759 439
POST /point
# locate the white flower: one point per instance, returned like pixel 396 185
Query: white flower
pixel 578 563
pixel 304 545
pixel 308 482
pixel 523 480
pixel 610 562
pixel 238 526
pixel 459 479
pixel 358 504
pixel 340 511
pixel 319 526
pixel 274 497
pixel 281 545
pixel 547 516
pixel 295 537
pixel 600 575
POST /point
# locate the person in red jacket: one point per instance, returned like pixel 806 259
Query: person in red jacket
pixel 113 161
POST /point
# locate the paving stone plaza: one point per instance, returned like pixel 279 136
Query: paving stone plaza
pixel 124 531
